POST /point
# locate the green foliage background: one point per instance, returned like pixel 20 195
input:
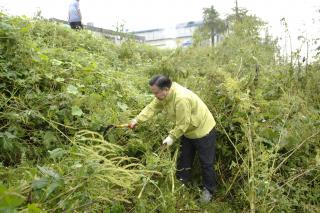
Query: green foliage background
pixel 59 87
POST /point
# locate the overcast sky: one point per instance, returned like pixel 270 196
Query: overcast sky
pixel 302 15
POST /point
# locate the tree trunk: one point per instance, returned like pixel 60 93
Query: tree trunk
pixel 237 10
pixel 212 39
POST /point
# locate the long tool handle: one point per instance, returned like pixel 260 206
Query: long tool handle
pixel 122 125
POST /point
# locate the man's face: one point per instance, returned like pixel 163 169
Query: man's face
pixel 159 93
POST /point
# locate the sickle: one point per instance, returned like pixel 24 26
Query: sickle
pixel 111 126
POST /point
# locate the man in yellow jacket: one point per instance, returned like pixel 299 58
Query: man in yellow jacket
pixel 193 123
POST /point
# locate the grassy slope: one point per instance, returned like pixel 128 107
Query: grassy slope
pixel 56 82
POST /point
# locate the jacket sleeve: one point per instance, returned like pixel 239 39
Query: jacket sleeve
pixel 151 109
pixel 183 119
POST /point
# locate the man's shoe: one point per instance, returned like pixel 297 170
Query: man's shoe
pixel 206 196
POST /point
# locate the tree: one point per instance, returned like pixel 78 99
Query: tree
pixel 212 23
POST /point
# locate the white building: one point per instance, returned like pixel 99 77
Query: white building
pixel 181 35
pixel 185 31
pixel 158 37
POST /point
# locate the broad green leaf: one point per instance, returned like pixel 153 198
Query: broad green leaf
pixel 72 90
pixel 60 79
pixel 49 138
pixel 53 186
pixel 7 145
pixel 32 208
pixel 56 62
pixel 49 75
pixel 77 165
pixel 122 106
pixel 43 57
pixel 57 153
pixel 76 111
pixel 9 135
pixel 9 199
pixel 48 171
pixel 40 183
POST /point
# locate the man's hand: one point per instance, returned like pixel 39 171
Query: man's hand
pixel 133 124
pixel 168 141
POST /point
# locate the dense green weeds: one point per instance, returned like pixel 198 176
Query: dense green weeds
pixel 58 87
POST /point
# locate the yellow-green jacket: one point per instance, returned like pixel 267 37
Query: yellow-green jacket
pixel 192 117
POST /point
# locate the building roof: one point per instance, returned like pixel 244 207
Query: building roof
pixel 178 26
pixel 186 36
pixel 189 24
pixel 148 31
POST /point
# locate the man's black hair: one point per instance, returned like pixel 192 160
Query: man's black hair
pixel 160 81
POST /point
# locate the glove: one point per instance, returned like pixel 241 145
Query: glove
pixel 133 124
pixel 168 141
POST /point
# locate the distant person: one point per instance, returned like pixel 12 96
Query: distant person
pixel 194 124
pixel 75 16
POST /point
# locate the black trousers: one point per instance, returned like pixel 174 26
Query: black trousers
pixel 76 25
pixel 205 147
